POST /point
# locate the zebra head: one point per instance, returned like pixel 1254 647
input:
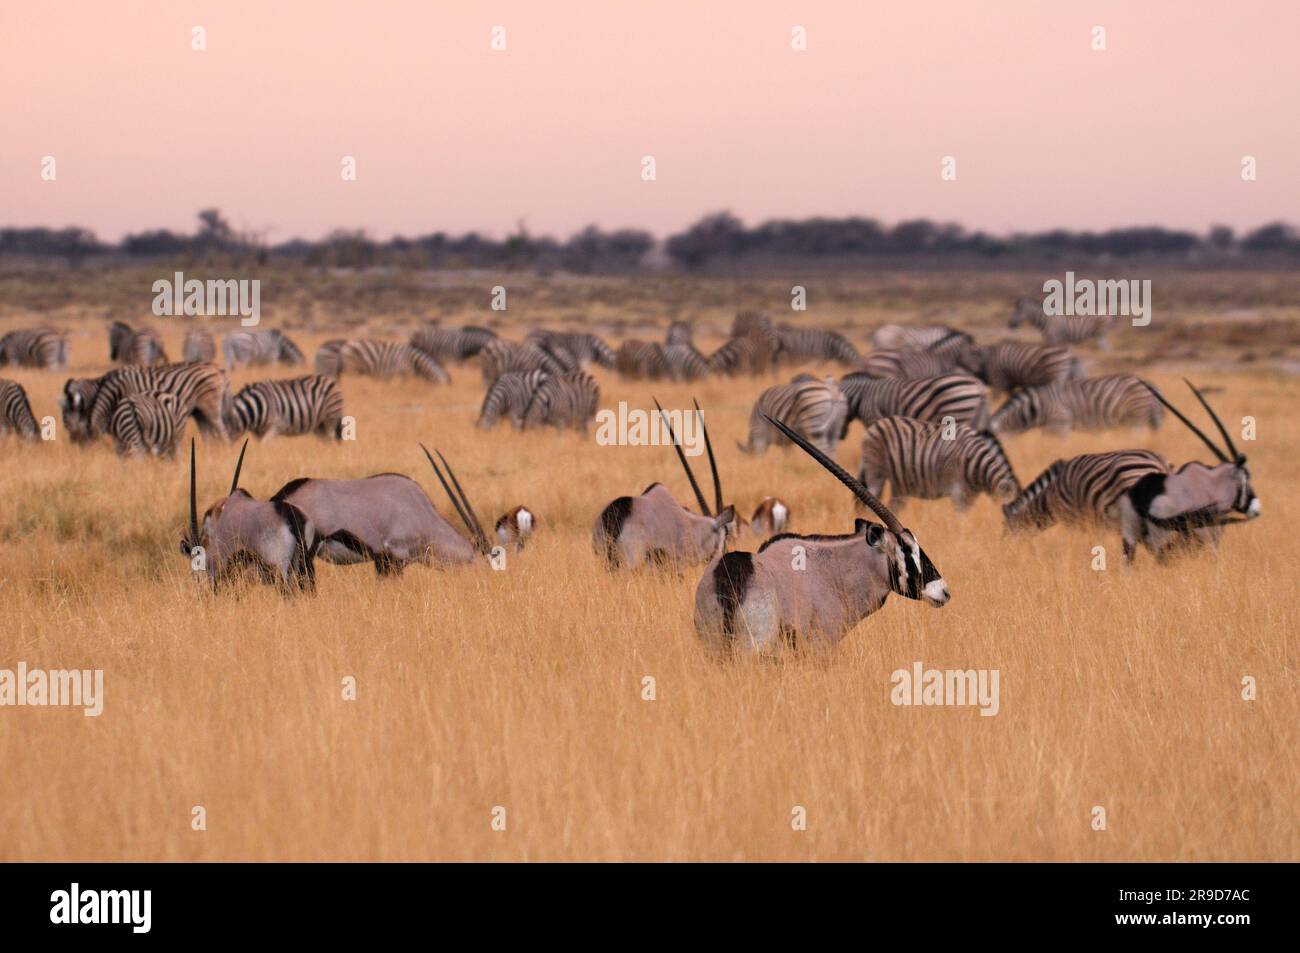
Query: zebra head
pixel 78 394
pixel 912 574
pixel 286 351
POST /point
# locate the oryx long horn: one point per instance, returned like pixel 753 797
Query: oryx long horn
pixel 860 491
pixel 239 465
pixel 194 502
pixel 713 464
pixel 1190 426
pixel 477 529
pixel 1223 431
pixel 699 495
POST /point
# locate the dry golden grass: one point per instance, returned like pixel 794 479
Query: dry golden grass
pixel 522 688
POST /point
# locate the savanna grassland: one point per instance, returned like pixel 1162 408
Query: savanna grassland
pixel 522 688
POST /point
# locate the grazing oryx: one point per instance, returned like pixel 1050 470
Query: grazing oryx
pixel 927 460
pixel 958 396
pixel 812 590
pixel 127 345
pixel 148 423
pixel 387 519
pixel 515 526
pixel 815 408
pixel 1094 403
pixel 1165 511
pixel 35 347
pixel 198 346
pixel 15 412
pixel 1061 328
pixel 275 537
pixel 654 528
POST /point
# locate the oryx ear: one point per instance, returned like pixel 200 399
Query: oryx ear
pixel 875 533
pixel 727 515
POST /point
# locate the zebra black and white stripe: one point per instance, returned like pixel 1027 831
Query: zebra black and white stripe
pixel 128 345
pixel 147 423
pixel 376 358
pixel 959 396
pixel 641 359
pixel 499 356
pixel 566 401
pixel 588 348
pixel 201 391
pixel 679 332
pixel 907 362
pixel 928 460
pixel 1094 403
pixel 752 354
pixel 511 393
pixel 813 407
pixel 816 344
pixel 890 337
pixel 1008 365
pixel 685 363
pixel 16 415
pixel 446 345
pixel 299 405
pixel 34 347
pixel 1083 489
pixel 199 346
pixel 255 348
pixel 1061 328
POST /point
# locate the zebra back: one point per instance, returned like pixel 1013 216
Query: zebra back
pixel 1086 488
pixel 959 396
pixel 511 392
pixel 34 347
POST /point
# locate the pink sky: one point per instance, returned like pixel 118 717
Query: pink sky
pixel 450 135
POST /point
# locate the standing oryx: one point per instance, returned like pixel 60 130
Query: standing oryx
pixel 654 528
pixel 1192 505
pixel 387 519
pixel 275 537
pixel 927 460
pixel 815 408
pixel 812 590
pixel 1093 403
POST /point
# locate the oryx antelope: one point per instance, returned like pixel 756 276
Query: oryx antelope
pixel 148 423
pixel 256 348
pixel 958 396
pixel 812 590
pixel 34 347
pixel 1093 403
pixel 1061 328
pixel 387 519
pixel 15 412
pixel 301 405
pixel 929 460
pixel 201 391
pixel 654 529
pixel 275 538
pixel 815 408
pixel 128 345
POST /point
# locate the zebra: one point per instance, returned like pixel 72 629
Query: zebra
pixel 445 345
pixel 1009 365
pixel 376 358
pixel 511 393
pixel 149 422
pixel 201 390
pixel 743 355
pixel 642 359
pixel 1093 403
pixel 1084 489
pixel 300 405
pixel 958 396
pixel 34 347
pixel 587 348
pixel 685 363
pixel 1061 328
pixel 816 344
pixel 127 345
pixel 679 332
pixel 928 460
pixel 255 348
pixel 499 356
pixel 889 337
pixel 564 401
pixel 552 344
pixel 815 408
pixel 15 412
pixel 907 362
pixel 198 346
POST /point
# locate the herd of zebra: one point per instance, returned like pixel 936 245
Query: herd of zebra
pixel 921 394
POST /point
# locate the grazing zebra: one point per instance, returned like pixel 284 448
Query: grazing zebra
pixel 255 348
pixel 907 362
pixel 744 355
pixel 1061 328
pixel 373 358
pixel 889 337
pixel 1083 489
pixel 553 345
pixel 15 412
pixel 684 362
pixel 816 344
pixel 641 359
pixel 1009 365
pixel 679 332
pixel 127 345
pixel 147 423
pixel 815 408
pixel 1094 403
pixel 511 393
pixel 301 405
pixel 201 390
pixel 927 460
pixel 499 356
pixel 445 345
pixel 958 396
pixel 586 348
pixel 34 347
pixel 198 346
pixel 565 401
